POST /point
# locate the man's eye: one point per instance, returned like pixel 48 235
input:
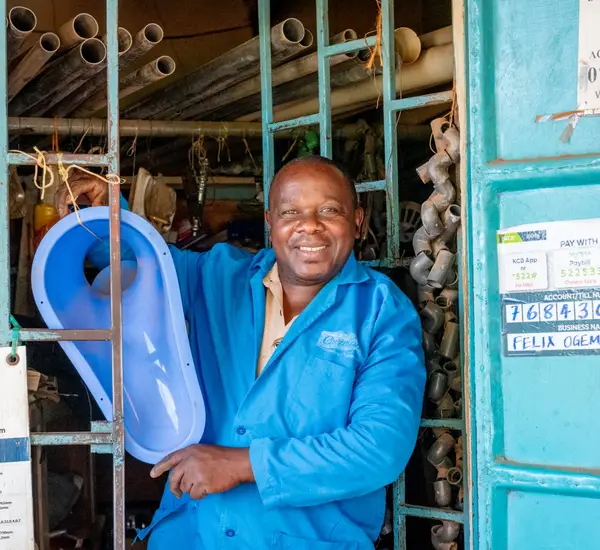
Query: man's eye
pixel 289 212
pixel 330 210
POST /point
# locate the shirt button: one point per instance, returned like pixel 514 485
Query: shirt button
pixel 241 430
pixel 230 533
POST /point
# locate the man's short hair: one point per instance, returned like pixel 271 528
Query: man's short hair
pixel 318 159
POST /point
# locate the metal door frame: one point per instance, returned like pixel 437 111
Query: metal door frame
pixel 106 437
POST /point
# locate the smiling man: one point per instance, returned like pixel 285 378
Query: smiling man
pixel 312 370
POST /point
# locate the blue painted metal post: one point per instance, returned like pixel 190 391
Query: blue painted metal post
pixel 268 142
pixel 324 78
pixel 388 46
pixel 118 429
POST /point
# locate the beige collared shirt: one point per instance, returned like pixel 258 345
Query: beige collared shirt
pixel 275 327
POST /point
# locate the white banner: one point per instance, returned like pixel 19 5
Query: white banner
pixel 16 501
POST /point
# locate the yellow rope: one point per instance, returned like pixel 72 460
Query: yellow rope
pixel 245 141
pixel 376 52
pixel 40 162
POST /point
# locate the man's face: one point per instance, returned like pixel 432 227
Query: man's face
pixel 312 222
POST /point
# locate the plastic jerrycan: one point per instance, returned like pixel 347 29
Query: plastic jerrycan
pixel 163 403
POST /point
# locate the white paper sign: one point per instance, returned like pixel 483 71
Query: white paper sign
pixel 549 276
pixel 16 501
pixel 589 55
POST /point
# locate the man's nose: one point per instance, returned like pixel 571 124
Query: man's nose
pixel 310 223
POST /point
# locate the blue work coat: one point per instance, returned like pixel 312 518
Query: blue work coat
pixel 331 420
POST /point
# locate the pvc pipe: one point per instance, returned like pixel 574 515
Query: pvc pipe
pixel 154 71
pixel 285 73
pixel 434 67
pixel 219 74
pixel 443 302
pixel 407 44
pixel 419 268
pixel 437 245
pixel 449 316
pixel 20 23
pixel 344 36
pixel 451 221
pixel 37 56
pixel 439 272
pixel 146 39
pixel 449 343
pixel 124 45
pixel 438 37
pixel 432 366
pixel 452 280
pixel 82 27
pixel 67 68
pixel 432 318
pixel 93 52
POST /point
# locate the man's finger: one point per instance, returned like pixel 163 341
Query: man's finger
pixel 198 491
pixel 170 461
pixel 175 480
pixel 186 484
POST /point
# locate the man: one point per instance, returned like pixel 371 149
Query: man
pixel 312 370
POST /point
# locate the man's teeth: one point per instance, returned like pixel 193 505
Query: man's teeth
pixel 311 248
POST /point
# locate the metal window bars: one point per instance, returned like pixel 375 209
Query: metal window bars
pixel 391 106
pixel 106 437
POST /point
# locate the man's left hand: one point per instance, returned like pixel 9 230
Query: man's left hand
pixel 201 470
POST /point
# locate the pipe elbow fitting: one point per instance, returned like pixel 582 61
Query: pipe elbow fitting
pixel 439 271
pixel 432 317
pixel 446 407
pixel 430 218
pixel 448 296
pixel 421 240
pixel 419 268
pixel 440 449
pixel 452 138
pixel 455 476
pixel 448 531
pixel 430 346
pixel 451 220
pixel 425 294
pixel 449 343
pixel 438 386
pixel 442 492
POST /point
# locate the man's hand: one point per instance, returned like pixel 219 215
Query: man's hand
pixel 204 469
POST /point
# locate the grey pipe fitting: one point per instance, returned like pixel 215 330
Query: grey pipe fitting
pixel 430 346
pixel 451 371
pixel 443 302
pixel 442 492
pixel 421 241
pixel 438 386
pixel 440 449
pixel 448 531
pixel 419 268
pixel 451 221
pixel 437 545
pixel 432 318
pixel 450 294
pixel 445 408
pixel 455 476
pixel 449 344
pixel 433 365
pixel 452 280
pixel 439 271
pixel 437 245
pixel 458 408
pixel 430 218
pixel 443 468
pixel 425 294
pixel 450 316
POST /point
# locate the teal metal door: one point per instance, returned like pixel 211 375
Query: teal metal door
pixel 533 403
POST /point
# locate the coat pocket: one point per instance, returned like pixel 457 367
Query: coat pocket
pixel 281 541
pixel 320 402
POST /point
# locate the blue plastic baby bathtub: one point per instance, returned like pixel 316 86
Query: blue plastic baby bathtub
pixel 164 406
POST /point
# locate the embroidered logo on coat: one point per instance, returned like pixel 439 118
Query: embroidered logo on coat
pixel 344 342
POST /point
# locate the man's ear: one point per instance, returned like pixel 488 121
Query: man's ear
pixel 359 218
pixel 268 219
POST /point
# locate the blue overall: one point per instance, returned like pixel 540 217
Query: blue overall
pixel 331 420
